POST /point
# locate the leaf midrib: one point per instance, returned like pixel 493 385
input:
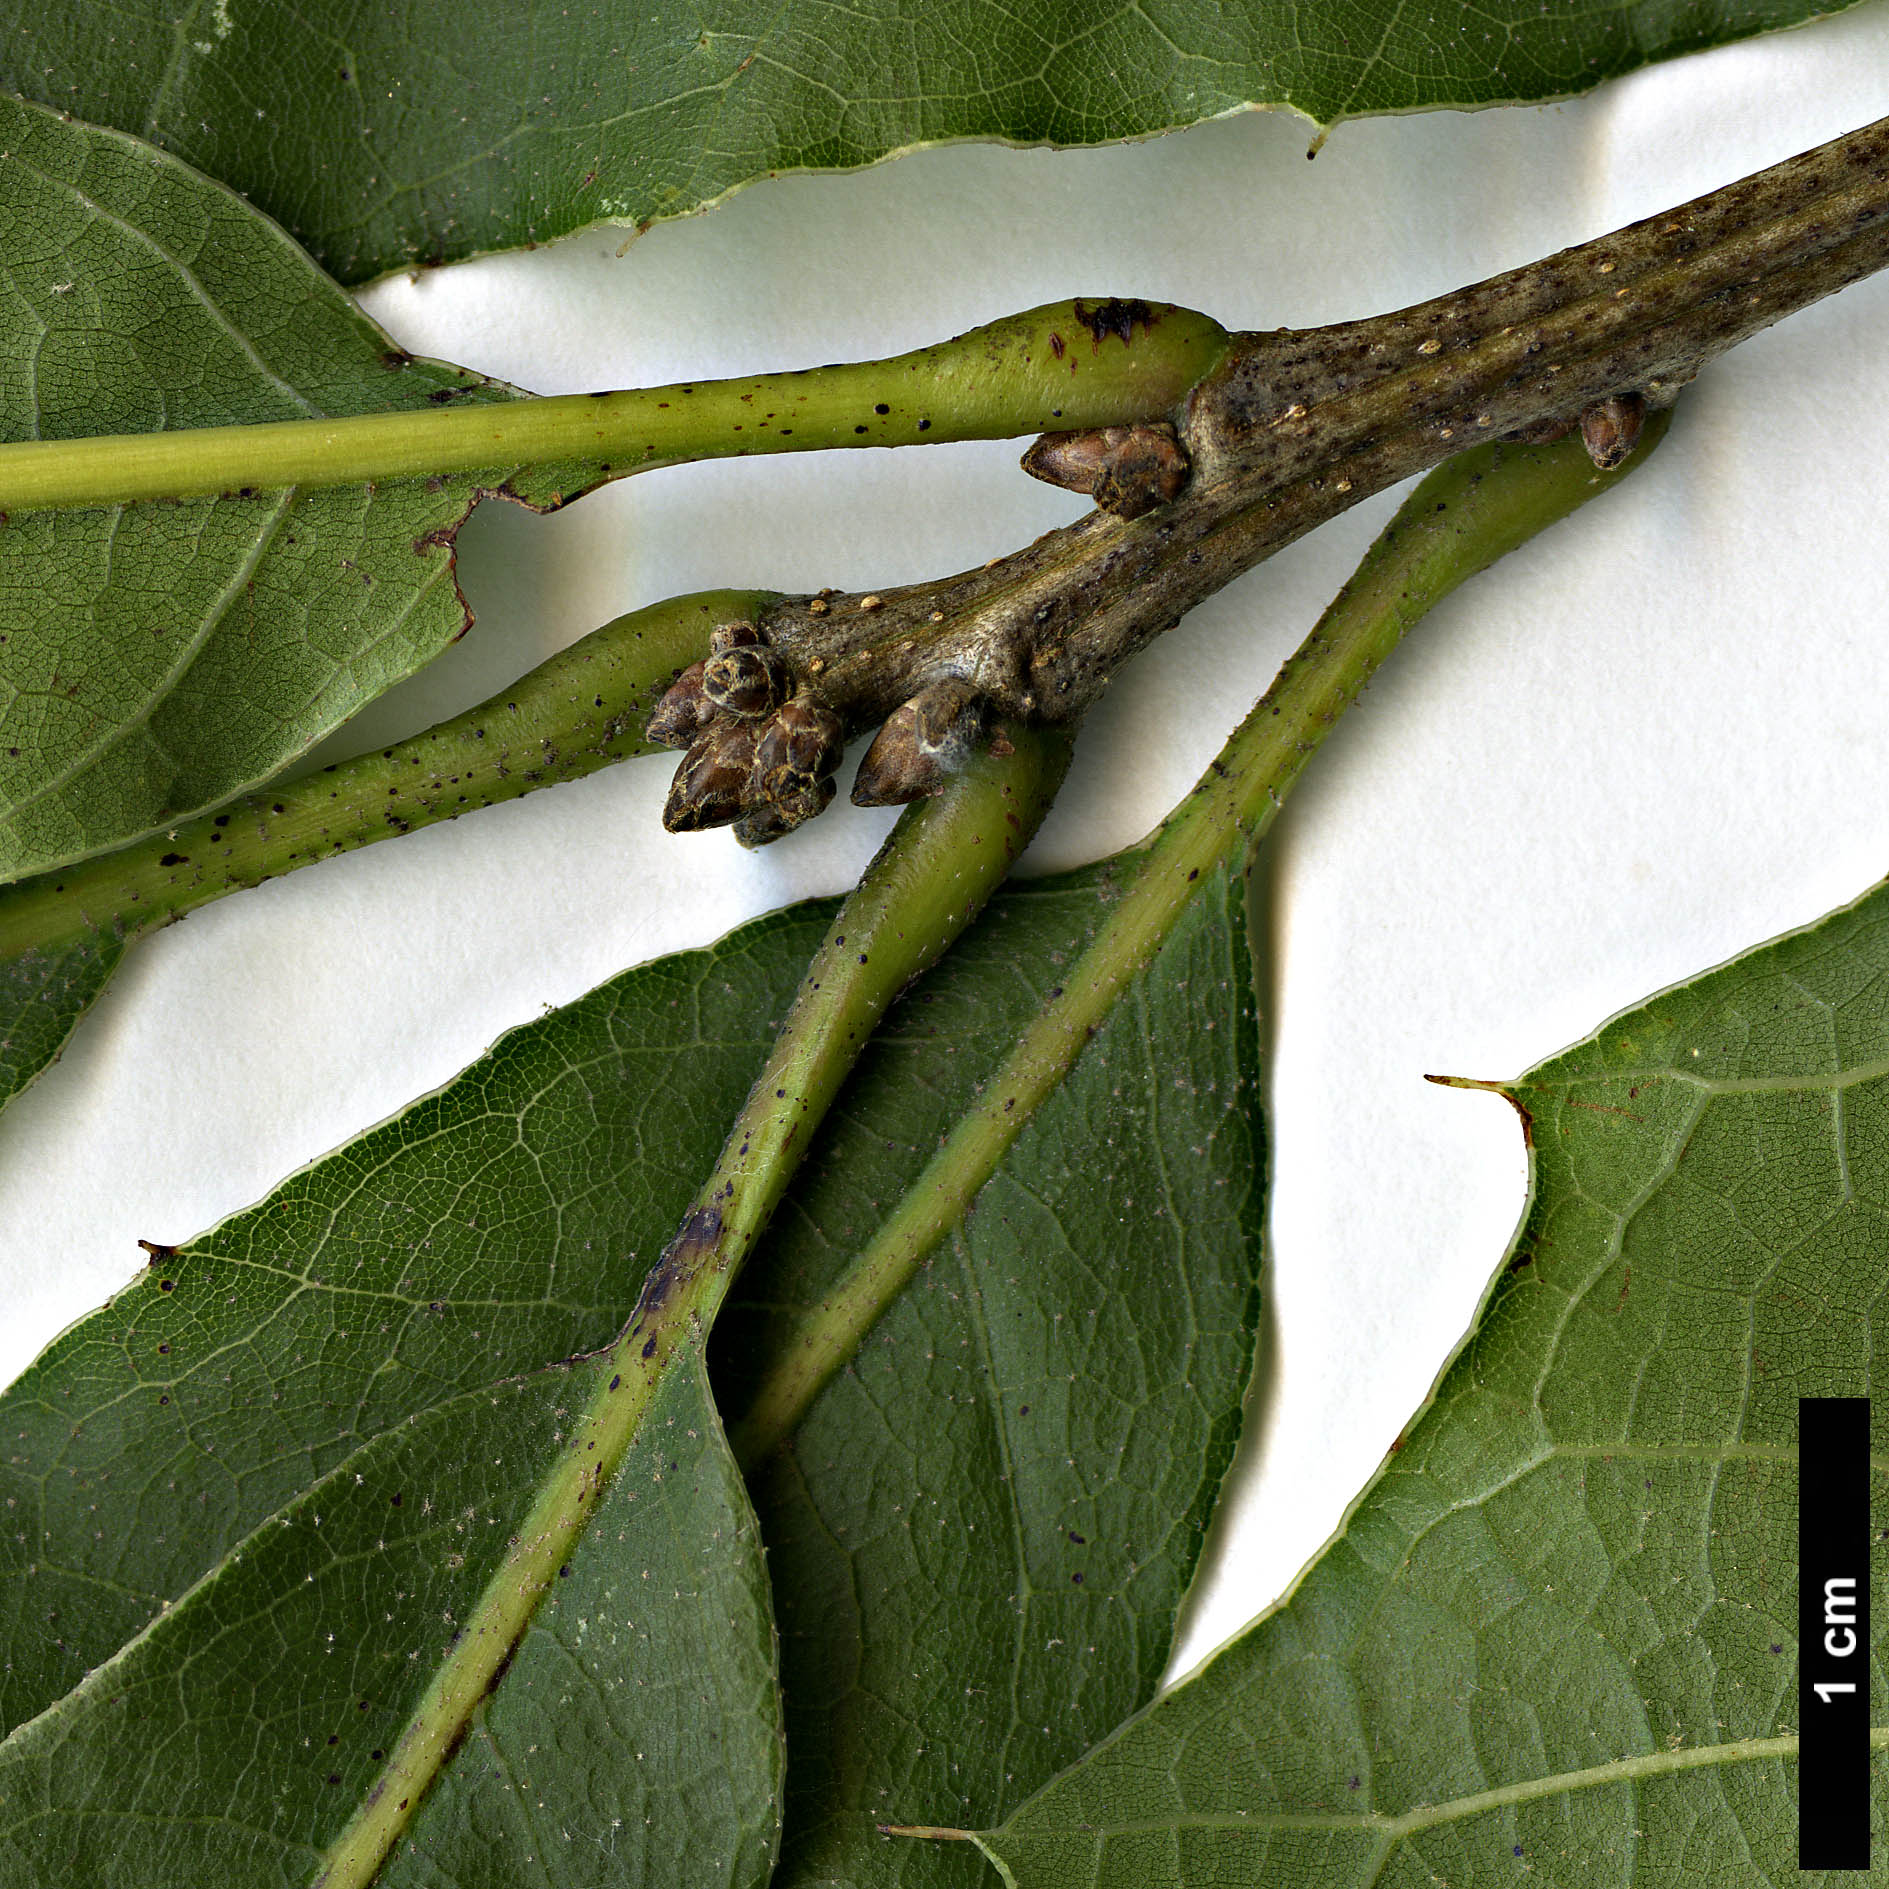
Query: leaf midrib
pixel 116 735
pixel 1650 1764
pixel 1830 1081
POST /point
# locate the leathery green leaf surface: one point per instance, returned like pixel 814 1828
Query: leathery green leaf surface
pixel 635 1737
pixel 382 137
pixel 43 994
pixel 156 658
pixel 251 1497
pixel 981 1533
pixel 1555 1640
pixel 216 1614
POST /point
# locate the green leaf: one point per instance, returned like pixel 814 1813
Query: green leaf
pixel 62 935
pixel 1556 1634
pixel 157 658
pixel 251 1497
pixel 202 1475
pixel 980 1535
pixel 636 1735
pixel 382 138
pixel 43 994
pixel 224 1742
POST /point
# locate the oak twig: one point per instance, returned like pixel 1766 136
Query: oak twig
pixel 1289 429
pixel 1461 518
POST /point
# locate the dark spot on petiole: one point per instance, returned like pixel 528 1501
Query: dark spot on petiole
pixel 1115 317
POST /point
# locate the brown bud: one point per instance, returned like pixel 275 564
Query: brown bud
pixel 681 713
pixel 804 802
pixel 1150 469
pixel 726 636
pixel 762 825
pixel 1127 470
pixel 921 744
pixel 750 682
pixel 1070 460
pixel 712 781
pixel 799 744
pixel 1610 429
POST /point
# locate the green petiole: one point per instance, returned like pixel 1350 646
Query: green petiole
pixel 942 862
pixel 1466 514
pixel 581 710
pixel 1067 364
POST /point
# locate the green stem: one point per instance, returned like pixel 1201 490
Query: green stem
pixel 1465 515
pixel 580 711
pixel 943 860
pixel 936 873
pixel 1066 364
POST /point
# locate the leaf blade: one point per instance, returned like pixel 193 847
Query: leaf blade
pixel 223 1336
pixel 1558 1622
pixel 698 1799
pixel 160 657
pixel 43 994
pixel 378 161
pixel 392 1332
pixel 981 1533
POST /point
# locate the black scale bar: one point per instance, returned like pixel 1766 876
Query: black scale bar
pixel 1833 1543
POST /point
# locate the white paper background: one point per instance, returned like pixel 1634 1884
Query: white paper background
pixel 1637 748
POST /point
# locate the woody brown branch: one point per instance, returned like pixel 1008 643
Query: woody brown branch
pixel 1292 428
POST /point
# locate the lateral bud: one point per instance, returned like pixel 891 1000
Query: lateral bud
pixel 1127 470
pixel 1610 429
pixel 921 744
pixel 683 712
pixel 764 824
pixel 712 781
pixel 797 746
pixel 750 682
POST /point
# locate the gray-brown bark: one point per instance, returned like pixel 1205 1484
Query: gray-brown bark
pixel 1293 427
